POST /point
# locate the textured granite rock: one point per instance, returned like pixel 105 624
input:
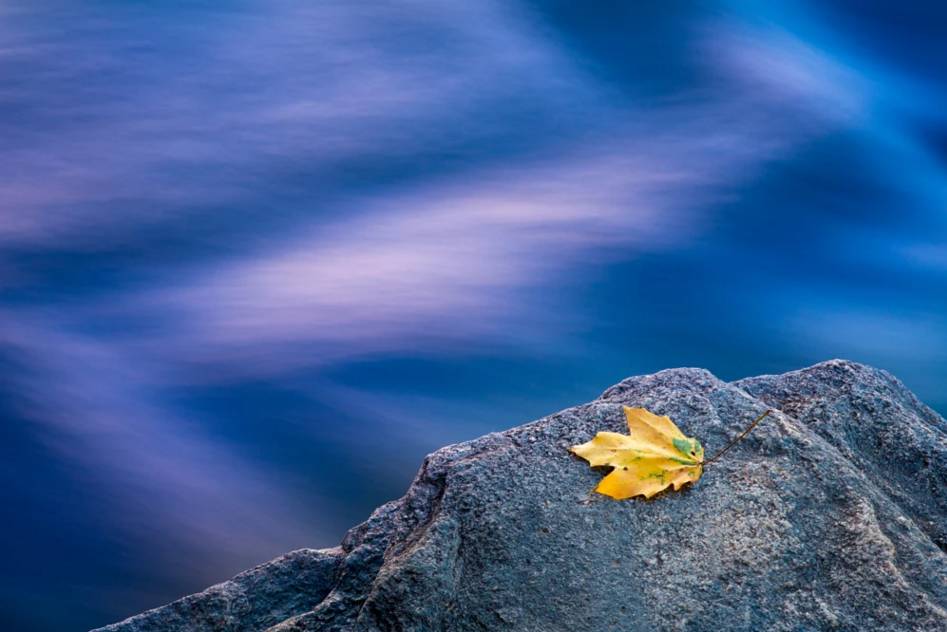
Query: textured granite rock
pixel 831 515
pixel 253 600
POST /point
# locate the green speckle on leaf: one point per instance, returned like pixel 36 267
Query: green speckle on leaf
pixel 684 446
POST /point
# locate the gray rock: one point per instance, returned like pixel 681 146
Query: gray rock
pixel 253 600
pixel 876 424
pixel 831 515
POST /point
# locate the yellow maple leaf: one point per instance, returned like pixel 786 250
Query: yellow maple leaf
pixel 653 456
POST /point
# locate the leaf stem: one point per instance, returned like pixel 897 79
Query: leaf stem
pixel 738 439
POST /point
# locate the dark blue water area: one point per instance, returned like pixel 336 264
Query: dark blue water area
pixel 258 258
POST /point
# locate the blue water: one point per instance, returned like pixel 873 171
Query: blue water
pixel 257 258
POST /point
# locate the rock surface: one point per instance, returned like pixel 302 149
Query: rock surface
pixel 253 600
pixel 831 515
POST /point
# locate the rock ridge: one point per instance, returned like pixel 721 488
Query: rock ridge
pixel 831 515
